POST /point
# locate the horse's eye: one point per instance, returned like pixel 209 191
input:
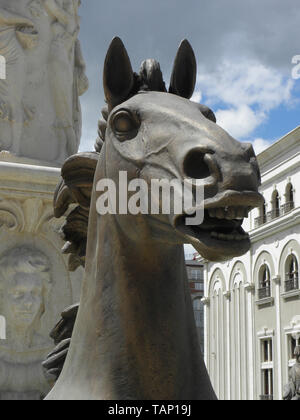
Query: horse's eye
pixel 125 125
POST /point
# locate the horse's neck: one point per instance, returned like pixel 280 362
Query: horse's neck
pixel 143 316
pixel 135 336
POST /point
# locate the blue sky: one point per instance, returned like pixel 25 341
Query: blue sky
pixel 244 51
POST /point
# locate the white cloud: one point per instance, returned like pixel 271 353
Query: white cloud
pixel 246 83
pixel 240 122
pixel 197 96
pixel 247 91
pixel 260 145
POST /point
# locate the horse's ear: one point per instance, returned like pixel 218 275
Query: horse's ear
pixel 118 78
pixel 183 79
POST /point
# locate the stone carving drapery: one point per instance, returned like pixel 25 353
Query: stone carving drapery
pixel 40 115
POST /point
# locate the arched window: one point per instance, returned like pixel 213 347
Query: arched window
pixel 263 212
pixel 292 276
pixel 264 290
pixel 289 198
pixel 275 205
pixel 262 215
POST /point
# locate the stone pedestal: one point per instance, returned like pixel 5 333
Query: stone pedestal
pixel 35 284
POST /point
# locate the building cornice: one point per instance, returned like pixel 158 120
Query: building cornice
pixel 279 147
pixel 280 224
pixel 285 167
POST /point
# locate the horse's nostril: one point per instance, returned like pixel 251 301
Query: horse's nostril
pixel 194 165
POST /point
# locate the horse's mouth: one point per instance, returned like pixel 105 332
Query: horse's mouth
pixel 220 224
pixel 221 233
pixel 220 236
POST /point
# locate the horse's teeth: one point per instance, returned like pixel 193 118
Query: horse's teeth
pixel 229 213
pixel 220 213
pixel 228 236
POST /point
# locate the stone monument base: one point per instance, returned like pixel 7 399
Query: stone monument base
pixel 35 284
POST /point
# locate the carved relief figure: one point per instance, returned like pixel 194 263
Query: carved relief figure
pixel 45 69
pixel 63 68
pixel 25 283
pixel 17 33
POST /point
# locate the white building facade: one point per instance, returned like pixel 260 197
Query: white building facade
pixel 252 303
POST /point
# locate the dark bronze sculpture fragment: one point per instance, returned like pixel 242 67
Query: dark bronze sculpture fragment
pixel 135 335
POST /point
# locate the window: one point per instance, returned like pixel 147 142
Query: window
pixel 199 286
pixel 264 290
pixel 291 347
pixel 275 205
pixel 264 212
pixel 289 198
pixel 292 278
pixel 267 350
pixel 267 369
pixel 267 383
pixel 199 318
pixel 196 274
pixel 262 215
pixel 198 311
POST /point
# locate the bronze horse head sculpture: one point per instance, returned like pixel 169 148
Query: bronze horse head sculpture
pixel 135 335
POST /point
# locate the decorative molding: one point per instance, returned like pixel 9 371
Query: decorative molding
pixel 227 294
pixel 31 215
pixel 266 301
pixel 265 333
pixel 205 301
pixel 275 226
pixel 294 328
pixel 277 280
pixel 249 287
pixel 291 294
pixel 11 215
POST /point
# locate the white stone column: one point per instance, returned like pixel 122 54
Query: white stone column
pixel 227 296
pixel 277 282
pixel 250 289
pixel 206 304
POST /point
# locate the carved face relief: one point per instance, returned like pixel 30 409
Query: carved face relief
pixel 25 278
pixel 23 300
